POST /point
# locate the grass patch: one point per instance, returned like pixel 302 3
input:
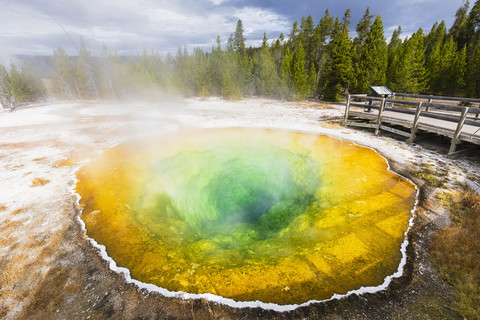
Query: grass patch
pixel 431 177
pixel 456 251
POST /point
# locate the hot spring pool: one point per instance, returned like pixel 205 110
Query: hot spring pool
pixel 248 214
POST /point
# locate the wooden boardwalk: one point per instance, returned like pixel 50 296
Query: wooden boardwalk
pixel 407 117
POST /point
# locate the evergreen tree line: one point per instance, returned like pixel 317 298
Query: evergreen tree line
pixel 321 60
pixel 19 86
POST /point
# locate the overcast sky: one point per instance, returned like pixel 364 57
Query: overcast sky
pixel 39 26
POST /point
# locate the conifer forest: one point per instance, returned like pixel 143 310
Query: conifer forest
pixel 324 59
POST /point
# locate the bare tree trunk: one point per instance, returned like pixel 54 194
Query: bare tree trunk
pixel 91 81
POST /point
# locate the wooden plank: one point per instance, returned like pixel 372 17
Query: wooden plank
pixel 362 115
pixel 403 110
pixel 475 111
pixel 415 123
pixel 458 131
pixel 361 124
pixel 359 105
pixel 436 130
pixel 447 107
pixel 396 131
pixel 450 118
pixel 438 98
pixel 413 103
pixel 397 121
pixel 365 97
pixel 470 138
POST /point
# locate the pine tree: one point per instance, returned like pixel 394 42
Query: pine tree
pixel 264 42
pixel 229 89
pixel 322 34
pixel 143 82
pixel 457 31
pixel 470 26
pixel 473 71
pixel 345 20
pixel 412 76
pixel 293 36
pixel 433 65
pixel 363 28
pixel 16 85
pixel 340 72
pixel 4 88
pixel 238 39
pixel 299 80
pixel 436 36
pixel 372 66
pixel 201 74
pixel 277 51
pixel 459 71
pixel 306 37
pixel 63 82
pixel 287 75
pixel 86 77
pixel 394 52
pixel 33 86
pixel 6 98
pixel 447 63
pixel 265 72
pixel 311 79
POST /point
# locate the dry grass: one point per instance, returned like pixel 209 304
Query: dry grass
pixel 38 182
pixel 17 211
pixel 456 251
pixel 430 176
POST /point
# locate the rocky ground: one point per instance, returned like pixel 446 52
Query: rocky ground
pixel 49 269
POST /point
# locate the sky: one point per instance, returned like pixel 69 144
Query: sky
pixel 37 27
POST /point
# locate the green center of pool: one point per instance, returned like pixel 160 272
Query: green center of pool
pixel 232 195
pixel 248 214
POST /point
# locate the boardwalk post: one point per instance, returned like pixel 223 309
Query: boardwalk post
pixel 413 132
pixel 461 122
pixel 428 107
pixel 347 108
pixel 379 119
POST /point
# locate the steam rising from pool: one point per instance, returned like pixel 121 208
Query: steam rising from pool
pixel 248 214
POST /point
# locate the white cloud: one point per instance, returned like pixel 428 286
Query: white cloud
pixel 218 2
pixel 30 26
pixel 158 25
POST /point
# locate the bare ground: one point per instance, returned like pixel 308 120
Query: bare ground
pixel 48 269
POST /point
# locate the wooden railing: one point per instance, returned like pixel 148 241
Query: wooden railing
pixel 443 119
